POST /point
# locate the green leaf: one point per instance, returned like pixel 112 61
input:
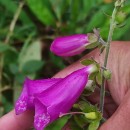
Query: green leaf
pixel 32 66
pixel 1 110
pixel 87 62
pixel 75 8
pixel 57 61
pixel 73 124
pixel 58 124
pixel 62 9
pixel 19 78
pixel 98 19
pixel 92 45
pixel 80 120
pixel 4 47
pixel 87 6
pixel 43 11
pixel 94 125
pixel 30 51
pixel 99 78
pixel 119 32
pixel 13 68
pixel 93 76
pixel 10 56
pixel 87 107
pixel 8 106
pixel 126 8
pixel 11 6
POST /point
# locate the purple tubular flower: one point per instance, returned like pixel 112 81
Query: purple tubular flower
pixel 60 98
pixel 69 45
pixel 30 88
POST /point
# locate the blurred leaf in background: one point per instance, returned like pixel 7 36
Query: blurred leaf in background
pixel 27 51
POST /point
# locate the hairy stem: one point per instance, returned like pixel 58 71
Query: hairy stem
pixel 112 27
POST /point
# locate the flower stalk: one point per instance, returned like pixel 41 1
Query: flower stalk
pixel 71 113
pixel 118 4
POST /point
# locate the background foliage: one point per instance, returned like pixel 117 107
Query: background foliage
pixel 24 50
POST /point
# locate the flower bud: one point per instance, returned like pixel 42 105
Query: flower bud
pixel 69 45
pixel 120 17
pixel 91 115
pixel 107 74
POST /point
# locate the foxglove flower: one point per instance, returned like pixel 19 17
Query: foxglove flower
pixel 69 45
pixel 30 88
pixel 60 98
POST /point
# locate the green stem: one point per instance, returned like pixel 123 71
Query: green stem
pixel 1 68
pixel 112 27
pixel 13 22
pixel 7 39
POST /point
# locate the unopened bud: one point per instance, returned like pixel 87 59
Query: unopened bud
pixel 107 74
pixel 91 115
pixel 120 17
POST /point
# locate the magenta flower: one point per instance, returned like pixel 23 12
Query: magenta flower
pixel 52 97
pixel 30 88
pixel 69 45
pixel 60 98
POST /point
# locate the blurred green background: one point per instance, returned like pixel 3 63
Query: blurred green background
pixel 27 29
